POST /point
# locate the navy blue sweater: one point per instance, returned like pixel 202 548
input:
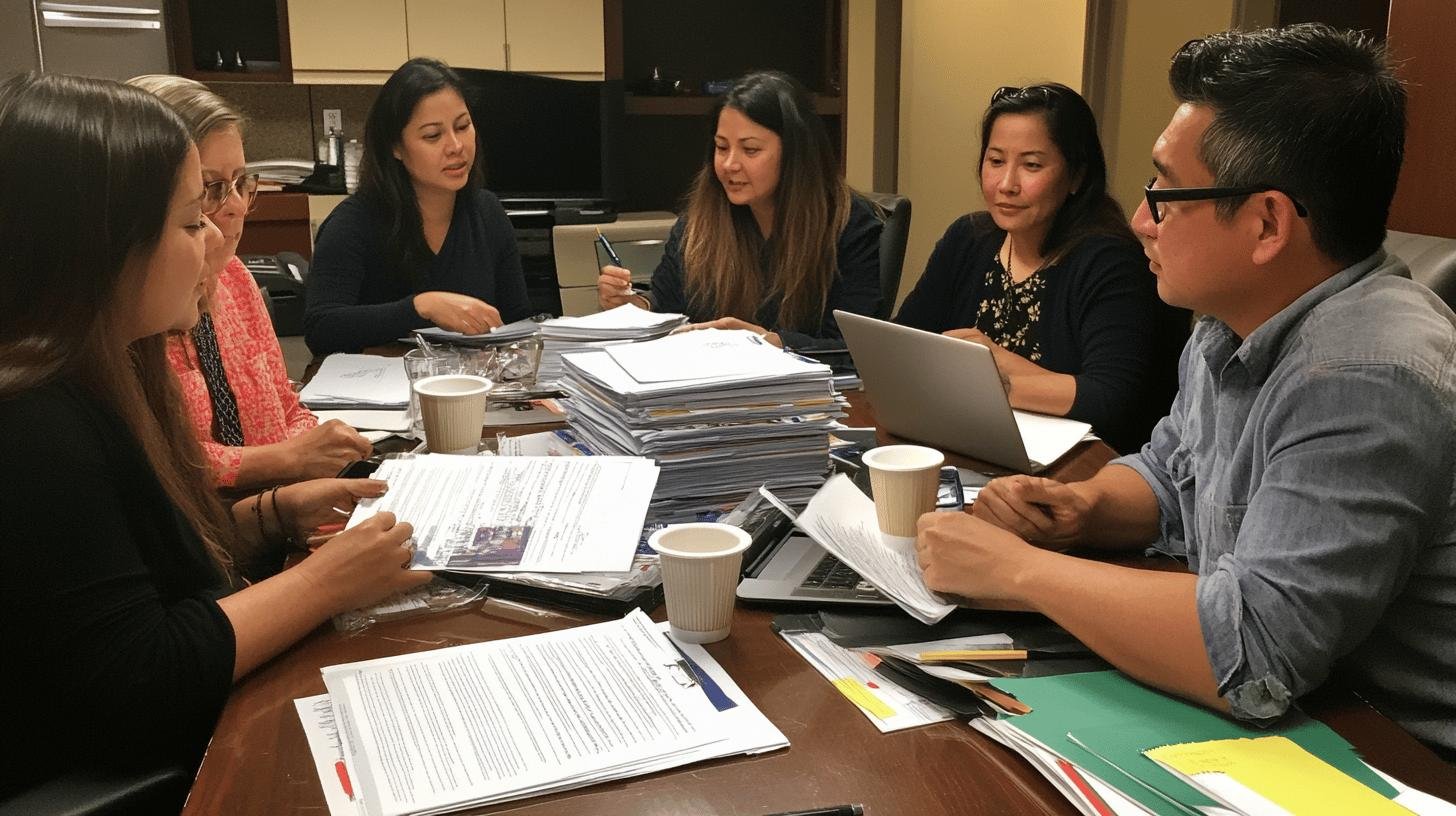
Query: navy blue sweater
pixel 357 298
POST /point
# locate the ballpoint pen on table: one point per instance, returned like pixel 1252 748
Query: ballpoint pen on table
pixel 832 810
pixel 612 253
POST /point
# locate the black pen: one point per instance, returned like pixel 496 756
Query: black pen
pixel 833 810
pixel 607 245
pixel 612 253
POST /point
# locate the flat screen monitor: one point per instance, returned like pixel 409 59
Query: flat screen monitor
pixel 547 138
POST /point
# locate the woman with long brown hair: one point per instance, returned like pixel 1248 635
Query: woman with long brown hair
pixel 771 238
pixel 123 602
pixel 252 428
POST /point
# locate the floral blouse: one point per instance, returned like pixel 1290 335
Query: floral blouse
pixel 269 409
pixel 1010 312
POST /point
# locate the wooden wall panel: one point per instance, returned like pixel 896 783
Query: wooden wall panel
pixel 1420 36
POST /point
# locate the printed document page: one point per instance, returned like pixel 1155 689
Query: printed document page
pixel 489 722
pixel 358 380
pixel 1048 438
pixel 625 320
pixel 706 353
pixel 501 334
pixel 518 513
pixel 842 520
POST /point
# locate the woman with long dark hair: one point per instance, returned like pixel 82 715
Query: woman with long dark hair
pixel 422 242
pixel 125 601
pixel 252 428
pixel 1050 278
pixel 771 238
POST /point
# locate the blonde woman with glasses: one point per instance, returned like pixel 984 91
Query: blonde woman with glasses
pixel 251 425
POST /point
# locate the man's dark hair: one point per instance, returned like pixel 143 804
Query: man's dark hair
pixel 1313 111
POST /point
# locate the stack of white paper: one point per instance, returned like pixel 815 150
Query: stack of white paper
pixel 486 723
pixel 358 381
pixel 518 513
pixel 722 412
pixel 624 324
pixel 500 335
pixel 841 519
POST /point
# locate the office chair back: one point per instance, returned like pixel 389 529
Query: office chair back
pixel 1432 261
pixel 894 212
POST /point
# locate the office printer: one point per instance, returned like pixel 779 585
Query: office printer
pixel 281 278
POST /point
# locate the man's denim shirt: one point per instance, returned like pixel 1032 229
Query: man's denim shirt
pixel 1306 474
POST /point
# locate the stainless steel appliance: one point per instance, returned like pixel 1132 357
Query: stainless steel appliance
pixel 115 39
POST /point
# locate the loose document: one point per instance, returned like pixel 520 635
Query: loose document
pixel 509 333
pixel 841 519
pixel 358 381
pixel 518 513
pixel 486 723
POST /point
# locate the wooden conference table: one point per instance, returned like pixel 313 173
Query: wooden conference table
pixel 259 763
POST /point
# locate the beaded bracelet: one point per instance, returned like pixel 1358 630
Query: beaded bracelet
pixel 277 516
pixel 258 516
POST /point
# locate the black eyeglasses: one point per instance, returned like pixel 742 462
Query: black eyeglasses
pixel 215 193
pixel 1156 196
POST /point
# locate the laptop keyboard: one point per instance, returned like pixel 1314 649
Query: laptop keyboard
pixel 831 573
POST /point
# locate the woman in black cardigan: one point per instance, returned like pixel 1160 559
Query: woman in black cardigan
pixel 423 242
pixel 125 613
pixel 1051 279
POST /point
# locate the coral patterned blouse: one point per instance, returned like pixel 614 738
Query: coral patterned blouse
pixel 269 409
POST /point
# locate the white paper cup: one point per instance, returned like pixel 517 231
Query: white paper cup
pixel 700 564
pixel 453 409
pixel 903 479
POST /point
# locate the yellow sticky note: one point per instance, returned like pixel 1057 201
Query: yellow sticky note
pixel 859 694
pixel 1278 769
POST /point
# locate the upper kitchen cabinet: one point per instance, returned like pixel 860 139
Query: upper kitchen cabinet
pixel 347 40
pixel 463 33
pixel 563 37
pixel 364 40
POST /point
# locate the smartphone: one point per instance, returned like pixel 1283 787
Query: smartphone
pixel 948 494
pixel 362 469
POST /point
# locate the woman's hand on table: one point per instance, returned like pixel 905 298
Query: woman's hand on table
pixel 457 313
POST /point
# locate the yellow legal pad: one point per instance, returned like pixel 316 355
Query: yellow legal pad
pixel 1281 771
pixel 859 694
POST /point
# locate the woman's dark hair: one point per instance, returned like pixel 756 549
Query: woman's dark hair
pixel 722 244
pixel 1088 210
pixel 87 172
pixel 383 180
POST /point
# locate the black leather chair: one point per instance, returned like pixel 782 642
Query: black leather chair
pixel 104 793
pixel 894 211
pixel 1432 260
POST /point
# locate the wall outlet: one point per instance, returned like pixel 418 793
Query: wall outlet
pixel 333 120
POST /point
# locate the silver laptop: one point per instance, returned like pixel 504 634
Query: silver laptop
pixel 937 390
pixel 783 564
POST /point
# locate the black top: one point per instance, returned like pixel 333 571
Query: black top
pixel 116 651
pixel 855 289
pixel 1101 320
pixel 357 298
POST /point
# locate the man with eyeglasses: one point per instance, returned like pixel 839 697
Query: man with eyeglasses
pixel 1305 472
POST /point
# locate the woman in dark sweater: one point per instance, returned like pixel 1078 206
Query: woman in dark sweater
pixel 423 242
pixel 771 239
pixel 1051 278
pixel 124 612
